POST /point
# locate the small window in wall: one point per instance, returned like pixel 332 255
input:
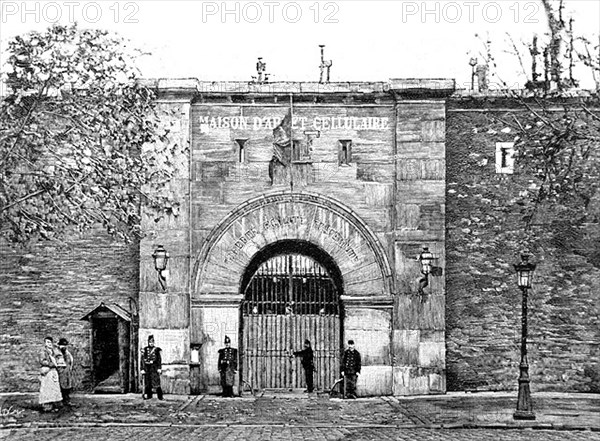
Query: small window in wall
pixel 345 152
pixel 505 157
pixel 241 142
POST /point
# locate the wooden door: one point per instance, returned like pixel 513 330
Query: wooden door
pixel 290 298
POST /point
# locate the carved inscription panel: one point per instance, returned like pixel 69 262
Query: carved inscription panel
pixel 268 224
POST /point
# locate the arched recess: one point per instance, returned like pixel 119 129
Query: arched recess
pixel 293 247
pixel 325 222
pixel 292 293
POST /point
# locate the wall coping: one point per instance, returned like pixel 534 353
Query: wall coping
pixel 399 87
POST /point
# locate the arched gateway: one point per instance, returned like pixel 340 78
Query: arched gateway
pixel 291 293
pixel 280 269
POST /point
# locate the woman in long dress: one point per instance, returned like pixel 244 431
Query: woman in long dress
pixel 50 394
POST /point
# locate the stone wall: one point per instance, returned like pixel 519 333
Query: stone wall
pixel 483 308
pixel 419 176
pixel 47 289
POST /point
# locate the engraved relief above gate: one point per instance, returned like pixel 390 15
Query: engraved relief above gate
pixel 342 238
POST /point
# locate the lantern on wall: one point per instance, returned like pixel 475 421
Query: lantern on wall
pixel 161 258
pixel 426 260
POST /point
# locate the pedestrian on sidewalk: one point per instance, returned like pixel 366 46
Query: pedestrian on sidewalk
pixel 64 364
pixel 308 364
pixel 350 369
pixel 227 366
pixel 50 394
pixel 151 369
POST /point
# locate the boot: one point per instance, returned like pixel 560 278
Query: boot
pixel 159 393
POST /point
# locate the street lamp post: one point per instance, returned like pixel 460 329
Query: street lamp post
pixel 524 410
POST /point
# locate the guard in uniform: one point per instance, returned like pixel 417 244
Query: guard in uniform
pixel 151 369
pixel 308 364
pixel 350 369
pixel 227 365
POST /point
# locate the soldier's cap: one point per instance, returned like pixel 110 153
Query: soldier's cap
pixel 150 338
pixel 227 339
pixel 63 342
pixel 350 342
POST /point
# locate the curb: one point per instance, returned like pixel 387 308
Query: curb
pixel 457 426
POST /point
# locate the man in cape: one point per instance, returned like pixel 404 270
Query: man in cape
pixel 308 363
pixel 227 365
pixel 151 369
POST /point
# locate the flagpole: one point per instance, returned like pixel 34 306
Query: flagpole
pixel 291 144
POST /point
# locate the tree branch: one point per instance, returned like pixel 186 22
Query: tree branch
pixel 40 94
pixel 23 199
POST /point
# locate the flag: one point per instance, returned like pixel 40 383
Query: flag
pixel 282 140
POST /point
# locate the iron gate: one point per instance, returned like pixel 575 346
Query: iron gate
pixel 290 298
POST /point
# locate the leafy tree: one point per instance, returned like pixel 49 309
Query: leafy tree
pixel 78 137
pixel 557 139
pixel 558 149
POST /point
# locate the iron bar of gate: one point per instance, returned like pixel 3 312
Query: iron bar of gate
pixel 274 310
pixel 320 317
pixel 289 317
pixel 285 336
pixel 263 320
pixel 279 337
pixel 255 336
pixel 296 337
pixel 282 337
pixel 291 320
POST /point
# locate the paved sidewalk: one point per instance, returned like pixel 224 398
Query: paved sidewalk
pixel 554 411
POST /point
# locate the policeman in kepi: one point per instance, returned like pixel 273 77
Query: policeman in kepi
pixel 308 364
pixel 350 369
pixel 151 369
pixel 227 365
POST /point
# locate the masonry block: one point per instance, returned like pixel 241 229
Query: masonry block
pixel 406 347
pixel 175 379
pixel 175 344
pixel 367 319
pixel 410 380
pixel 375 381
pixel 432 354
pixel 164 310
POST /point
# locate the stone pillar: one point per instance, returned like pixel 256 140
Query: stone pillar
pixel 213 319
pixel 166 313
pixel 418 338
pixel 370 328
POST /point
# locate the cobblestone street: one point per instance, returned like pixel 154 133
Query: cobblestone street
pixel 252 433
pixel 553 410
pixel 289 416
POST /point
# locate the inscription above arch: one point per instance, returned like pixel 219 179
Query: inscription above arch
pixel 317 219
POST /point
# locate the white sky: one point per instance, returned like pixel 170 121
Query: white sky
pixel 367 40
